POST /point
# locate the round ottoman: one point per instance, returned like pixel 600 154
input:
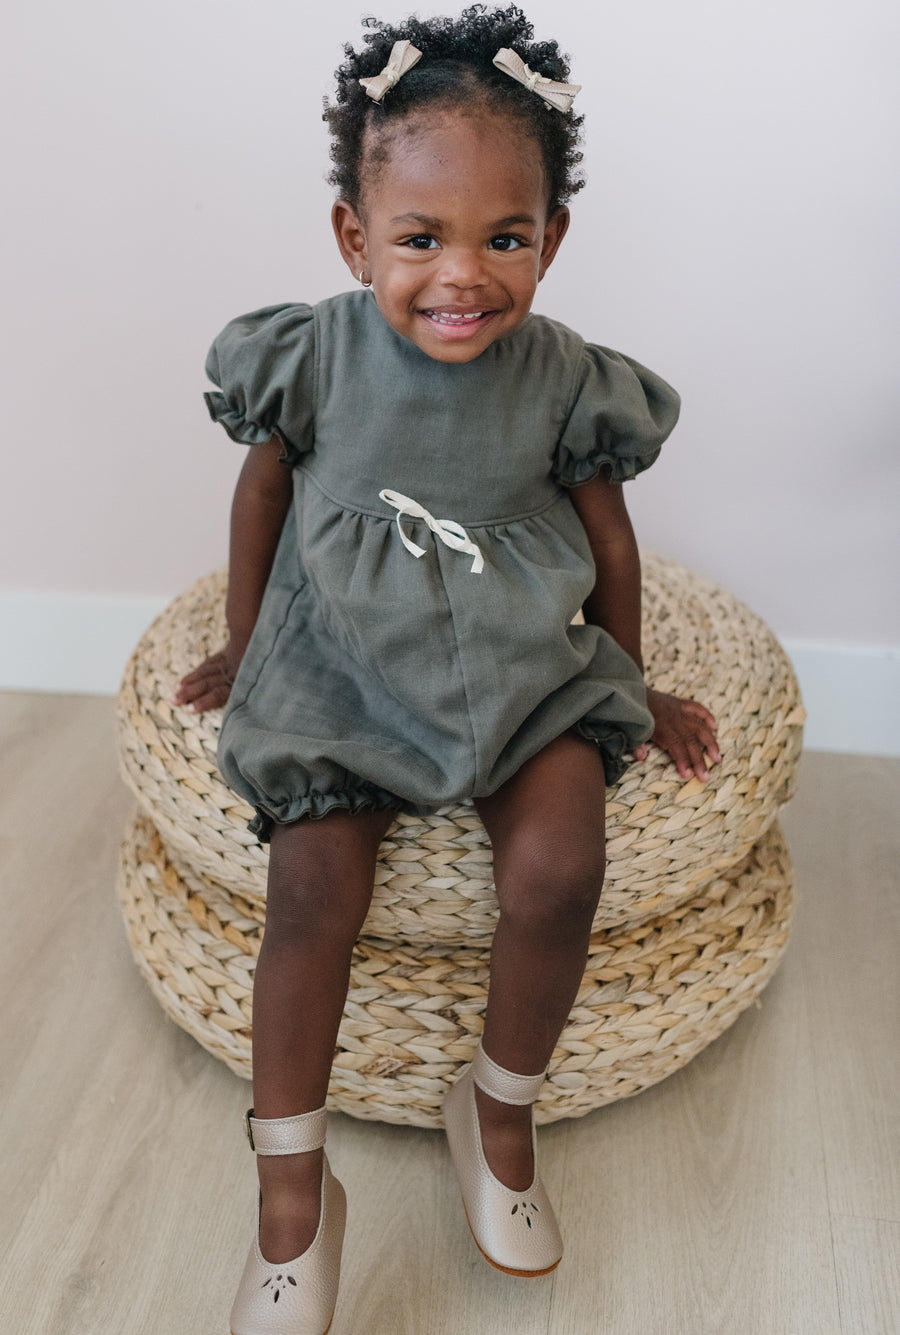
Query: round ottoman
pixel 693 919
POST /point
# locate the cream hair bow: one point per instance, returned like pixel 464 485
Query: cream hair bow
pixel 559 96
pixel 401 60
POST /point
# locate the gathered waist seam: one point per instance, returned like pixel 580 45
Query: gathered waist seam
pixel 353 508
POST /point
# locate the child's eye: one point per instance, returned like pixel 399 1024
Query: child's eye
pixel 506 242
pixel 421 242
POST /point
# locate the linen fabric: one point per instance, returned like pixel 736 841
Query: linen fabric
pixel 377 680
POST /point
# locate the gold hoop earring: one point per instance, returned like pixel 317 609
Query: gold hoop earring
pixel 362 279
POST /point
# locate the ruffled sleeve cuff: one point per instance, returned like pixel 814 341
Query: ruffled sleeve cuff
pixel 620 417
pixel 264 366
pixel 234 422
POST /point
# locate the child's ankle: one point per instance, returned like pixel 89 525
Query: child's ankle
pixel 290 1177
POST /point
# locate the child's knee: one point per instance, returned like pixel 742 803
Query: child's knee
pixel 314 903
pixel 312 908
pixel 553 889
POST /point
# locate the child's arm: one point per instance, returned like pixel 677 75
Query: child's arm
pixel 261 502
pixel 683 728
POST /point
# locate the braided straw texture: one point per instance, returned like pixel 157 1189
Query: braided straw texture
pixel 653 995
pixel 666 839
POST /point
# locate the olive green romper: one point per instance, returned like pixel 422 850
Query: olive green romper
pixel 414 646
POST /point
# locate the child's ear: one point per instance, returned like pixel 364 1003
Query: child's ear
pixel 556 228
pixel 351 237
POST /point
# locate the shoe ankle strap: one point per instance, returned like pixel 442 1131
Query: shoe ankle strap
pixel 503 1085
pixel 286 1135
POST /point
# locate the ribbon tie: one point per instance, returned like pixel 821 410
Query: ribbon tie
pixel 401 60
pixel 557 96
pixel 450 533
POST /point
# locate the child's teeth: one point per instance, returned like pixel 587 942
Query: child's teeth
pixel 447 318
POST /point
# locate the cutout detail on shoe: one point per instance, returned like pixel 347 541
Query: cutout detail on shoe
pixel 525 1206
pixel 280 1282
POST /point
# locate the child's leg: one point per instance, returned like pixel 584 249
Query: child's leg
pixel 547 829
pixel 321 875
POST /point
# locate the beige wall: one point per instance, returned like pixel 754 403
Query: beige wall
pixel 739 234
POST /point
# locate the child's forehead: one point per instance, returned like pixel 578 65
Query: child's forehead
pixel 456 149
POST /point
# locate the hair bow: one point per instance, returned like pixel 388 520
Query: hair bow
pixel 401 60
pixel 558 96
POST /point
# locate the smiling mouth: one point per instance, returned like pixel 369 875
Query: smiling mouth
pixel 453 318
pixel 456 326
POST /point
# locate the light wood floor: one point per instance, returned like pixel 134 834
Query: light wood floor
pixel 756 1192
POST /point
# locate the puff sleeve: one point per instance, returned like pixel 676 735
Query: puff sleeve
pixel 620 416
pixel 264 366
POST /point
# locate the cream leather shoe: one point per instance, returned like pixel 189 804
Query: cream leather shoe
pixel 296 1297
pixel 515 1230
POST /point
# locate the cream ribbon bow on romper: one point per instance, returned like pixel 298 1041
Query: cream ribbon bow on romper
pixel 450 533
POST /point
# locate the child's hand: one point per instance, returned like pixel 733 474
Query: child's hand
pixel 686 730
pixel 209 685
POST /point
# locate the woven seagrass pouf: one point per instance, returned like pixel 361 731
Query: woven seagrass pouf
pixel 667 839
pixel 653 995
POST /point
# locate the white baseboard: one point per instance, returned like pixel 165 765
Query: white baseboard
pixel 75 643
pixel 852 696
pixel 79 643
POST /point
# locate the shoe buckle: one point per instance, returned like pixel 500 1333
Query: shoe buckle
pixel 248 1127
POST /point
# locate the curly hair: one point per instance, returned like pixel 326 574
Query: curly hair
pixel 456 70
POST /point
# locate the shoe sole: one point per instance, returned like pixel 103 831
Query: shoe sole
pixel 517 1274
pixel 324 1332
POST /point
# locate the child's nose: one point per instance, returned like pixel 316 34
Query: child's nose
pixel 464 268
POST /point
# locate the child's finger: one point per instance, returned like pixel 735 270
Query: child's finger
pixel 210 670
pixel 213 699
pixel 210 667
pixel 640 753
pixel 711 748
pixel 186 687
pixel 187 690
pixel 191 693
pixel 706 738
pixel 697 758
pixel 680 756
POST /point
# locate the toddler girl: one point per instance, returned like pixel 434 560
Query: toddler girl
pixel 433 493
